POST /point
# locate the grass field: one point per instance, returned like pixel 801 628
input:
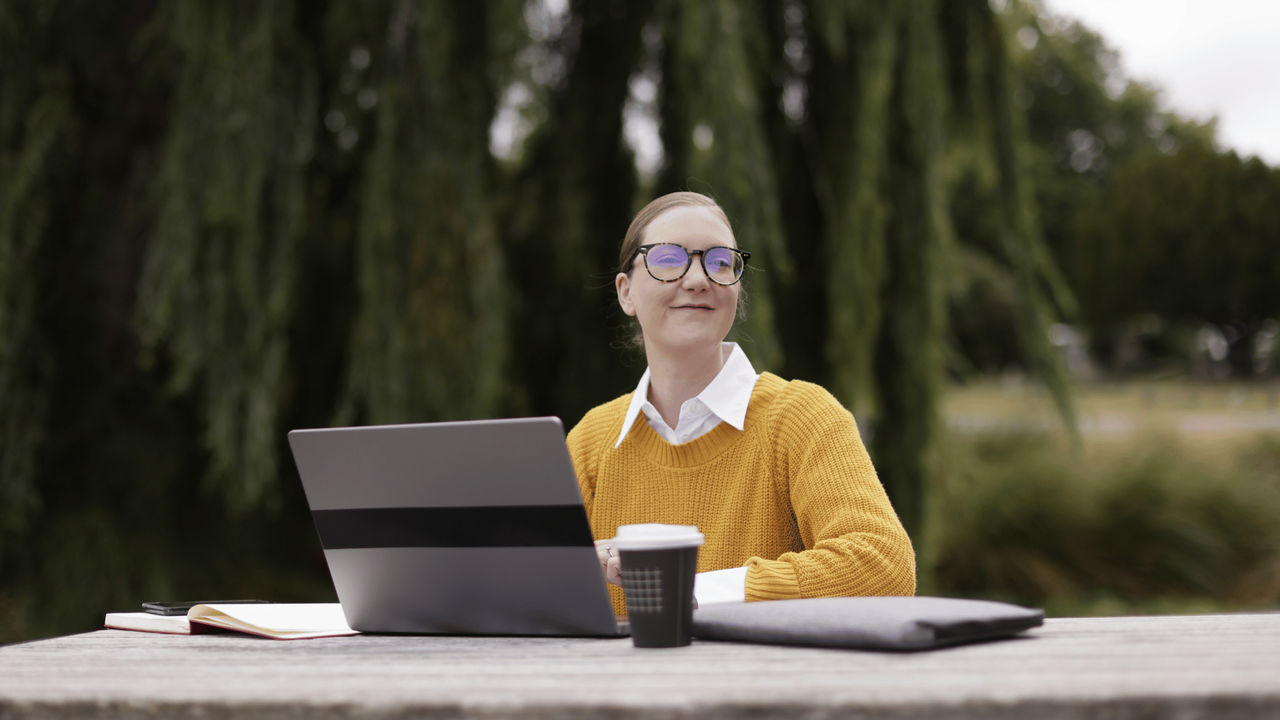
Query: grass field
pixel 1204 411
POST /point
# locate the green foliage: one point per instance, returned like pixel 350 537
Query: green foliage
pixel 1140 211
pixel 218 291
pixel 993 207
pixel 1192 207
pixel 907 357
pixel 432 284
pixel 565 215
pixel 712 127
pixel 856 47
pixel 219 221
pixel 1022 516
pixel 36 125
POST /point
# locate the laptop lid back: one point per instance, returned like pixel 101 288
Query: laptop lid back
pixel 472 527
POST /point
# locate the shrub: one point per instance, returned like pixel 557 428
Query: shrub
pixel 1154 525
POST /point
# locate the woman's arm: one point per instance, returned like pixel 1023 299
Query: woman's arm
pixel 854 542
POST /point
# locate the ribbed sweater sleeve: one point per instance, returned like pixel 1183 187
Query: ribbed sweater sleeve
pixel 854 543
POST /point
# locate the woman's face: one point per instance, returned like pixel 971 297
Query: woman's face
pixel 692 312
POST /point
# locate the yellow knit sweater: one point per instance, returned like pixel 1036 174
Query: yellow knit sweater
pixel 793 496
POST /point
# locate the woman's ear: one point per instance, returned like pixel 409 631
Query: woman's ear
pixel 622 283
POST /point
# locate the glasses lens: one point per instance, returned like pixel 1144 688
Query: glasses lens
pixel 723 265
pixel 667 262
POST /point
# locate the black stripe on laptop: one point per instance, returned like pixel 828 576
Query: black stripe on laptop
pixel 482 526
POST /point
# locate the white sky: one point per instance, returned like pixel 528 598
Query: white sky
pixel 1207 57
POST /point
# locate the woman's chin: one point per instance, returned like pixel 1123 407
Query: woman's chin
pixel 691 342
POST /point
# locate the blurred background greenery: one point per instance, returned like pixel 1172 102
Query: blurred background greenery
pixel 1051 303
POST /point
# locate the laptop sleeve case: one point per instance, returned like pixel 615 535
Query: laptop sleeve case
pixel 874 623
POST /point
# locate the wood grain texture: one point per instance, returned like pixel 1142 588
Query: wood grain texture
pixel 1210 666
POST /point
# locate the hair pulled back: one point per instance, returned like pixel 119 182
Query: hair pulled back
pixel 635 234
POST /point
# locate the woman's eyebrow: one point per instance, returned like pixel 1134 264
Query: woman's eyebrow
pixel 718 242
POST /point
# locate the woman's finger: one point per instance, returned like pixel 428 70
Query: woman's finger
pixel 613 571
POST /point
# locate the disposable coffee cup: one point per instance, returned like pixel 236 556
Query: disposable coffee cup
pixel 658 566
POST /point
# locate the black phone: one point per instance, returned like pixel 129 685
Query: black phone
pixel 180 607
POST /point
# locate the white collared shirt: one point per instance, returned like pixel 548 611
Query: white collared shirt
pixel 724 399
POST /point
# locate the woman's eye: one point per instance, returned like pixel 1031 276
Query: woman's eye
pixel 668 258
pixel 718 261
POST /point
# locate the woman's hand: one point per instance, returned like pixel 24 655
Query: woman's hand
pixel 609 562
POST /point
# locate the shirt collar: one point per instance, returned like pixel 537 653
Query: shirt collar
pixel 726 396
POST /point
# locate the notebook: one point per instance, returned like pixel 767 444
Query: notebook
pixel 472 527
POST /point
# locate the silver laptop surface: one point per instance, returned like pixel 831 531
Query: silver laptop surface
pixel 460 527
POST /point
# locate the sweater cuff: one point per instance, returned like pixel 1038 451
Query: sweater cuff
pixel 771 580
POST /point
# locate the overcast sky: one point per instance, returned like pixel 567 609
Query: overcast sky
pixel 1208 57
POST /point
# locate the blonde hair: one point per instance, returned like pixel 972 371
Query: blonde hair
pixel 635 233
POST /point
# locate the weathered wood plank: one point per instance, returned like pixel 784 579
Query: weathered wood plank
pixel 1185 667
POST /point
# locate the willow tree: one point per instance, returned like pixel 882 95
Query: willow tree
pixel 872 130
pixel 569 205
pixel 854 50
pixel 431 334
pixel 715 141
pixel 991 142
pixel 908 352
pixel 218 292
pixel 37 123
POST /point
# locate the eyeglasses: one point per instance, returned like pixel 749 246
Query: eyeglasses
pixel 668 262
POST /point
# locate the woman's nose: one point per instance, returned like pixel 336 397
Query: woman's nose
pixel 696 276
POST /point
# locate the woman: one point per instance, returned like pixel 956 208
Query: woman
pixel 772 472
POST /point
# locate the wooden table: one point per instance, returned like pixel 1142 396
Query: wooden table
pixel 1209 666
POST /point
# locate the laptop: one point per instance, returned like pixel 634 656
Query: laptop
pixel 472 527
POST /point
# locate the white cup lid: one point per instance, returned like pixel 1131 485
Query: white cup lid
pixel 656 536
